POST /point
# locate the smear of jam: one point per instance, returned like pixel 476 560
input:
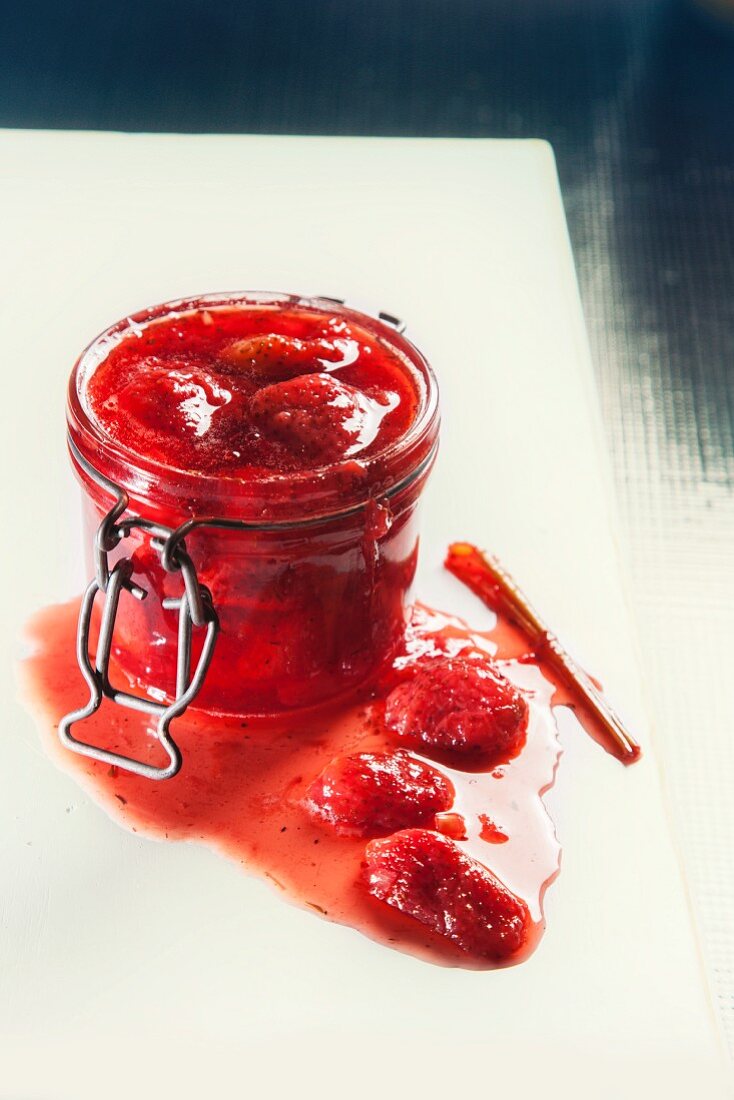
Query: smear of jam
pixel 244 784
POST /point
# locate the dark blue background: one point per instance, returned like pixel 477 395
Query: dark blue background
pixel 637 98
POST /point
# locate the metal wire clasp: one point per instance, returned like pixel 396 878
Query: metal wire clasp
pixel 195 609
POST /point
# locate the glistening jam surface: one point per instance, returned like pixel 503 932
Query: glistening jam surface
pixel 241 391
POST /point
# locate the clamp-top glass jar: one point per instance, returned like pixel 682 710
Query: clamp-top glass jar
pixel 312 489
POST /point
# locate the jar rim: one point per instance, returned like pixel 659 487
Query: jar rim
pixel 308 492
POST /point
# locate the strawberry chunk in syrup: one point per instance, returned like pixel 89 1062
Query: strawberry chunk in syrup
pixel 270 357
pixel 317 416
pixel 175 407
pixel 371 794
pixel 460 705
pixel 428 877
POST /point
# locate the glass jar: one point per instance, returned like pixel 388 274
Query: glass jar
pixel 311 596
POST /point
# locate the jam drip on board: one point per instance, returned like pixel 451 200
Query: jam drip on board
pixel 439 846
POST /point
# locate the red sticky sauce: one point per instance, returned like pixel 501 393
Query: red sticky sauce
pixel 236 391
pixel 242 780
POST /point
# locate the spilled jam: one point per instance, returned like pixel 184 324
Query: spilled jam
pixel 246 783
pixel 381 765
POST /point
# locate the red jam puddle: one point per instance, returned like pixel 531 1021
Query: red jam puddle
pixel 480 857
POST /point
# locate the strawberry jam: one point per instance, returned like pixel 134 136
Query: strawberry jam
pixel 430 851
pixel 404 795
pixel 314 425
pixel 246 391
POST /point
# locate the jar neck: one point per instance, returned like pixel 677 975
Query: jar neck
pixel 102 486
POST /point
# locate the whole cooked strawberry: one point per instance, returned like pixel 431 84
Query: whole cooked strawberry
pixel 428 877
pixel 460 705
pixel 373 793
pixel 316 416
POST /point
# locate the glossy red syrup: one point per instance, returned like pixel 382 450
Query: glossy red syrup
pixel 241 392
pixel 246 785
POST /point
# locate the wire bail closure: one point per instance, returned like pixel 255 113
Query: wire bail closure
pixel 195 609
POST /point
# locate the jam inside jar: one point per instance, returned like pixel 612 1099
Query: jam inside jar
pixel 313 424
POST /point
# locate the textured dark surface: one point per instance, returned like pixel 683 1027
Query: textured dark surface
pixel 637 97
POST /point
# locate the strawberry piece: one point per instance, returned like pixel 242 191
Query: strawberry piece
pixel 428 877
pixel 370 794
pixel 270 357
pixel 452 825
pixel 173 406
pixel 460 705
pixel 316 416
pixel 171 398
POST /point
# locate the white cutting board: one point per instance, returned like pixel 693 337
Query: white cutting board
pixel 130 964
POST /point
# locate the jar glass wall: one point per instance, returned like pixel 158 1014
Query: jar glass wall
pixel 312 597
